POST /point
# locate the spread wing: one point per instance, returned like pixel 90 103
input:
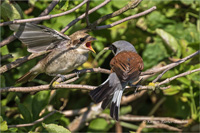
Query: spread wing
pixel 127 65
pixel 39 38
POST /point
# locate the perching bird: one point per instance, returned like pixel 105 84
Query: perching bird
pixel 126 67
pixel 67 52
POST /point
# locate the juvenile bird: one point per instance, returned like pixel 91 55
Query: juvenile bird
pixel 67 53
pixel 126 67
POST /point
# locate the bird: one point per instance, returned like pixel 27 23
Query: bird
pixel 66 52
pixel 126 66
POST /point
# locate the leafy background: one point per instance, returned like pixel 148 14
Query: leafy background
pixel 161 37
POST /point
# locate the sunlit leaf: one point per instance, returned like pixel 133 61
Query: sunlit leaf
pixel 53 128
pixel 170 41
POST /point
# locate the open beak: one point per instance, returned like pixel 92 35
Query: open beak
pixel 88 44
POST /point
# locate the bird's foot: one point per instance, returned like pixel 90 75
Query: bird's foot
pixel 77 72
pixel 54 82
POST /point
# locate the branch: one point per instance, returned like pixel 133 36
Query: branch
pixel 20 61
pixel 150 119
pixel 157 70
pixel 163 126
pixel 83 15
pixel 86 13
pixel 126 19
pixel 7 40
pixel 178 76
pixel 130 5
pixel 33 123
pixel 47 17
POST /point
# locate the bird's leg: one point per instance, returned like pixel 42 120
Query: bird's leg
pixel 137 85
pixel 54 82
pixel 77 72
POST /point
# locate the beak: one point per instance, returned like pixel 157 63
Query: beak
pixel 106 48
pixel 88 44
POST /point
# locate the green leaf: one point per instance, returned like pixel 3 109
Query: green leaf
pixel 39 102
pixel 23 110
pixel 2 80
pixel 184 80
pixel 32 2
pixel 152 58
pixel 129 125
pixel 186 94
pixel 170 41
pixel 172 90
pixel 3 126
pixel 99 125
pixel 52 118
pixel 53 128
pixel 10 11
pixel 63 4
pixel 125 109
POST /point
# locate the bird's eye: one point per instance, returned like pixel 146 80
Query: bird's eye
pixel 82 39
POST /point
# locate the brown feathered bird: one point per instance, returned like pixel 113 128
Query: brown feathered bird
pixel 126 67
pixel 67 53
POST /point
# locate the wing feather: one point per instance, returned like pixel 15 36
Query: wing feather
pixel 39 38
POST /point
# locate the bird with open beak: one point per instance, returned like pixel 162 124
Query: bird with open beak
pixel 67 53
pixel 126 67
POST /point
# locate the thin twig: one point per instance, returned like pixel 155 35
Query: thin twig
pixel 130 5
pixel 178 76
pixel 126 19
pixel 47 17
pixel 7 56
pixel 83 15
pixel 150 119
pixel 160 69
pixel 175 64
pixel 33 123
pixel 20 61
pixel 163 126
pixel 86 13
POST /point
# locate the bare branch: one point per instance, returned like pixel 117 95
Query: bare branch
pixel 157 70
pixel 49 8
pixel 90 114
pixel 86 13
pixel 33 123
pixel 130 5
pixel 4 57
pixel 83 15
pixel 46 87
pixel 178 76
pixel 126 19
pixel 163 126
pixel 7 40
pixel 43 17
pixel 20 61
pixel 150 119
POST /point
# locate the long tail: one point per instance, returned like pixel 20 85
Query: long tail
pixel 115 104
pixel 27 77
pixel 110 90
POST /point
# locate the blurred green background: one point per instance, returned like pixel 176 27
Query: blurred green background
pixel 167 34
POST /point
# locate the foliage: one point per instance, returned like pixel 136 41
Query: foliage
pixel 163 36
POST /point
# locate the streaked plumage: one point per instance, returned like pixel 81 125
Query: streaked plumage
pixel 67 53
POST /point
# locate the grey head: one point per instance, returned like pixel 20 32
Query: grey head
pixel 120 46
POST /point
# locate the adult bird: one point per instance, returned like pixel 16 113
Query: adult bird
pixel 126 67
pixel 67 53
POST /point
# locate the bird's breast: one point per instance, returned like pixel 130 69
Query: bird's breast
pixel 62 62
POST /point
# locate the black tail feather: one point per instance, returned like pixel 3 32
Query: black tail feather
pixel 101 92
pixel 105 102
